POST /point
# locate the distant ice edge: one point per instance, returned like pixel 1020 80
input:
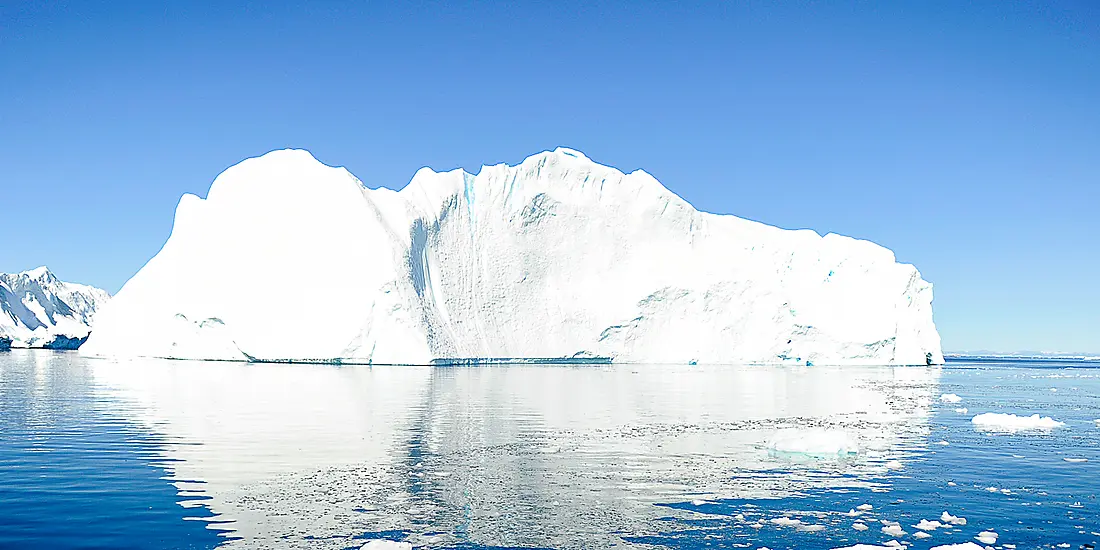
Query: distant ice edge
pixel 556 259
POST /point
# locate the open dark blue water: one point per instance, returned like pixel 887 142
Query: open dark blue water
pixel 164 454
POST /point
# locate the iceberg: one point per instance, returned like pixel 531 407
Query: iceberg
pixel 38 310
pixel 558 258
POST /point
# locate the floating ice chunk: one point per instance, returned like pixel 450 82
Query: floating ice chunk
pixel 987 537
pixel 786 522
pixel 893 544
pixel 894 465
pixel 860 526
pixel 810 528
pixel 864 507
pixel 894 530
pixel 1063 545
pixel 950 398
pixel 963 546
pixel 944 443
pixel 1068 459
pixel 1010 423
pixel 962 410
pixel 739 517
pixel 866 547
pixel 698 502
pixel 382 544
pixel 952 520
pixel 926 525
pixel 921 535
pixel 817 442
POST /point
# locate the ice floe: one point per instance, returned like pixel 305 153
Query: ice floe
pixel 963 546
pixel 1010 423
pixel 818 442
pixel 987 537
pixel 383 544
pixel 947 518
pixel 950 398
pixel 893 529
pixel 926 525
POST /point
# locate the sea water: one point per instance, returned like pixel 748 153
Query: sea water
pixel 175 454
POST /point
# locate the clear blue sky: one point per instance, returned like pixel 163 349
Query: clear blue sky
pixel 964 137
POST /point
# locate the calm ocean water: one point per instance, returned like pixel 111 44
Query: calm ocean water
pixel 172 454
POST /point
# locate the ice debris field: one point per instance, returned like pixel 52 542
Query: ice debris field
pixel 559 257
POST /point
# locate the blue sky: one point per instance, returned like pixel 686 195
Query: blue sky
pixel 965 137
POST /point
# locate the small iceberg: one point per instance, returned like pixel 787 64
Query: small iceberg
pixel 1010 423
pixel 950 398
pixel 812 442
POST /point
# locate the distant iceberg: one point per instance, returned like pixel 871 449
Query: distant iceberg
pixel 38 310
pixel 558 258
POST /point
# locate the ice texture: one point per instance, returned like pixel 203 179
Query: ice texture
pixel 1010 423
pixel 38 310
pixel 559 257
pixel 812 442
pixel 950 398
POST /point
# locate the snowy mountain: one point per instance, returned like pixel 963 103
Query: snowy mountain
pixel 37 310
pixel 559 257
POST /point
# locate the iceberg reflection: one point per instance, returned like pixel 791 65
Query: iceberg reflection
pixel 551 456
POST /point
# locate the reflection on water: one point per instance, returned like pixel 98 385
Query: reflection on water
pixel 554 456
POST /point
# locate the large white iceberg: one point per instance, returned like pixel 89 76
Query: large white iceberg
pixel 38 310
pixel 559 257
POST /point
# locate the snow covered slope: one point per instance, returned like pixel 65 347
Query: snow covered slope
pixel 558 257
pixel 37 310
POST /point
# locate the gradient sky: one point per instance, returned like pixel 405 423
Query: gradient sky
pixel 965 137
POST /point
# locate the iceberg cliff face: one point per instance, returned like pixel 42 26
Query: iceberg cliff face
pixel 37 310
pixel 558 257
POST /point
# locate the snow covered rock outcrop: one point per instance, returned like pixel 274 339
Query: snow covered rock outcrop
pixel 558 257
pixel 37 310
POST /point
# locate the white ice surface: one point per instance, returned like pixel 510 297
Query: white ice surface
pixel 963 546
pixel 290 259
pixel 382 544
pixel 1010 423
pixel 36 307
pixel 950 398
